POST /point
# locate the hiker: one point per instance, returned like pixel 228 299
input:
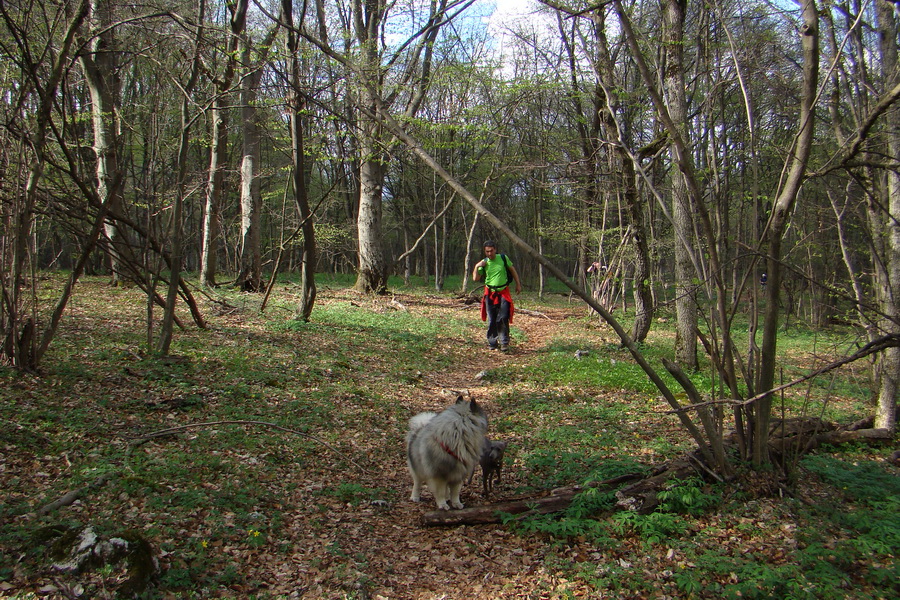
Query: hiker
pixel 496 304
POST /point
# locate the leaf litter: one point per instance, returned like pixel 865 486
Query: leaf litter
pixel 236 511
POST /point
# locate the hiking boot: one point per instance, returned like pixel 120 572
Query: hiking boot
pixel 504 347
pixel 492 346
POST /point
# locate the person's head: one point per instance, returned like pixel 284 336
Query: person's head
pixel 490 249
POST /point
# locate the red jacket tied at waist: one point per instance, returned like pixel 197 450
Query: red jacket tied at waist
pixel 494 297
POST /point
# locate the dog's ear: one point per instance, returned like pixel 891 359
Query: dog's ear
pixel 473 406
pixel 459 398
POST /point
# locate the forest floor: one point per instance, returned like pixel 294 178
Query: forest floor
pixel 288 479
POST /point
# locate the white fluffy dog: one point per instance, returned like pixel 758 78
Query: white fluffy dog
pixel 442 450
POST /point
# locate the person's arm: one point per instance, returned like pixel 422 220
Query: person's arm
pixel 476 272
pixel 515 275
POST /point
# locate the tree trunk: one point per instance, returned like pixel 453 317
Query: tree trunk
pixel 219 148
pixel 249 277
pixel 18 344
pixel 887 365
pixel 177 226
pixel 468 260
pixel 372 275
pixel 643 299
pixel 778 222
pixel 100 68
pixel 682 212
pixel 296 102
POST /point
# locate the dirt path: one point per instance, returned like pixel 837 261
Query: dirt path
pixel 397 557
pixel 536 329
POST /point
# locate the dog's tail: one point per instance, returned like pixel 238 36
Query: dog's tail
pixel 420 420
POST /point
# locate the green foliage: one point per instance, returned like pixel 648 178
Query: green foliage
pixel 581 517
pixel 608 366
pixel 349 377
pixel 865 481
pixel 685 497
pixel 653 528
pixel 871 510
pixel 689 496
pixel 841 545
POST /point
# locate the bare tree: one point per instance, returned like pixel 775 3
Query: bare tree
pixel 219 143
pixel 176 228
pixel 683 209
pixel 779 220
pixel 253 62
pixel 99 62
pixel 296 101
pixel 364 29
pixel 18 330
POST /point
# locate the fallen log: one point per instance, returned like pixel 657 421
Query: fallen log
pixel 641 497
pixel 557 500
pixel 844 436
pixel 789 437
pixel 491 513
pixel 74 495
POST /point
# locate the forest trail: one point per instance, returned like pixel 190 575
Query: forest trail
pixel 484 562
pixel 532 331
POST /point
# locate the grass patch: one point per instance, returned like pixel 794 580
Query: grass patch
pixel 238 510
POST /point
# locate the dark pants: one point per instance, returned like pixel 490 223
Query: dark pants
pixel 498 320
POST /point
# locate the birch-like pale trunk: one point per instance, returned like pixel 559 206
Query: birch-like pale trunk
pixel 249 277
pixel 365 31
pixel 887 365
pixel 371 276
pixel 99 63
pixel 250 271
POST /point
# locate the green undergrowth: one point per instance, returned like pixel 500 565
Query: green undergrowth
pixel 292 422
pixel 718 542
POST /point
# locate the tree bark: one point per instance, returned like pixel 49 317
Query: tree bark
pixel 99 63
pixel 301 198
pixel 628 185
pixel 176 227
pixel 778 221
pixel 372 274
pixel 18 343
pixel 249 277
pixel 366 32
pixel 219 147
pixel 682 211
pixel 887 365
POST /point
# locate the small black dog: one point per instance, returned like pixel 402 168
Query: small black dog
pixel 491 464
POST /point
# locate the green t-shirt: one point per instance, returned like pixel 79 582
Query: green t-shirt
pixel 495 275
